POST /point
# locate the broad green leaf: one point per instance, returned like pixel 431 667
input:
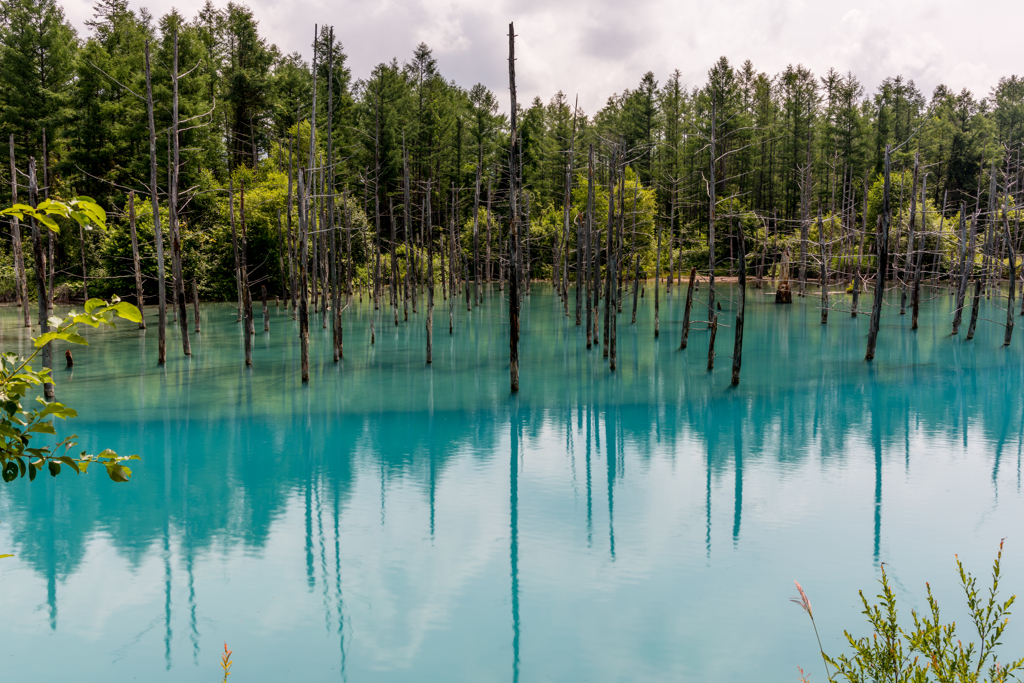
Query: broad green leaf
pixel 42 428
pixel 92 304
pixel 48 222
pixel 118 473
pixel 127 311
pixel 70 463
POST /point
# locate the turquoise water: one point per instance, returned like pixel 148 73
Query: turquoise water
pixel 394 522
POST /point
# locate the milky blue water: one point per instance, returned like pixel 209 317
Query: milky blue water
pixel 398 522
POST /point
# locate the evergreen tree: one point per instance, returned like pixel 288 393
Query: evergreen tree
pixel 37 69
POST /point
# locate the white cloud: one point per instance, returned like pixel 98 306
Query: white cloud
pixel 600 47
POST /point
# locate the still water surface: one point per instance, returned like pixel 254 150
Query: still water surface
pixel 395 522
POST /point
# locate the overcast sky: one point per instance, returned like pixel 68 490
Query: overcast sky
pixel 595 48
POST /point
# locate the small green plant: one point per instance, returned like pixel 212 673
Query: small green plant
pixel 931 651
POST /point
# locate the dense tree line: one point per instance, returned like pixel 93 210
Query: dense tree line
pixel 785 144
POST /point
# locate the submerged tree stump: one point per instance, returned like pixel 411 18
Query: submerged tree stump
pixel 783 293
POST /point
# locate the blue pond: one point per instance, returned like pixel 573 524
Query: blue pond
pixel 392 521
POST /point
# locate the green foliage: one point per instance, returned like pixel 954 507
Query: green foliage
pixel 932 650
pixel 20 424
pixel 82 210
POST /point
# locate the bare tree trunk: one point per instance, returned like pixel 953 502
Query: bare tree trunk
pixel 266 309
pixel 451 266
pixel 636 288
pixel 974 308
pixel 712 211
pixel 822 247
pixel 292 251
pixel 179 282
pixel 49 233
pixel 966 265
pixel 909 261
pixel 1013 272
pixel 490 274
pixel 234 248
pixel 562 253
pixel 303 296
pixel 430 277
pixel 139 297
pixel 157 232
pixel 195 303
pixel 20 273
pixel 244 270
pixel 883 262
pixel 657 286
pixel 919 261
pixel 476 230
pixel 41 270
pixel 737 352
pixel 608 256
pixel 348 246
pixel 684 339
pixel 513 297
pixel 713 326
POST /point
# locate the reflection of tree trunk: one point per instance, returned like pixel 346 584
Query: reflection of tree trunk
pixel 513 513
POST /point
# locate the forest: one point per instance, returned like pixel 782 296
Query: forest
pixel 206 122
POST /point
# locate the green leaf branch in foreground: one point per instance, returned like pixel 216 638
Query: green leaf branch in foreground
pixel 82 210
pixel 19 424
pixel 932 650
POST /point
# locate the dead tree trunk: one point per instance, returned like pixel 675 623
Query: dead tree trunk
pixel 139 297
pixel 919 259
pixel 157 232
pixel 711 341
pixel 1013 273
pixel 562 255
pixel 974 308
pixel 823 247
pixel 179 282
pixel 636 288
pixel 966 266
pixel 430 277
pixel 234 248
pixel 685 336
pixel 608 284
pixel 40 262
pixel 266 309
pixel 195 303
pixel 712 210
pixel 244 269
pixel 883 263
pixel 513 296
pixel 737 352
pixel 303 287
pixel 20 273
pixel 657 286
pixel 476 230
pixel 49 234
